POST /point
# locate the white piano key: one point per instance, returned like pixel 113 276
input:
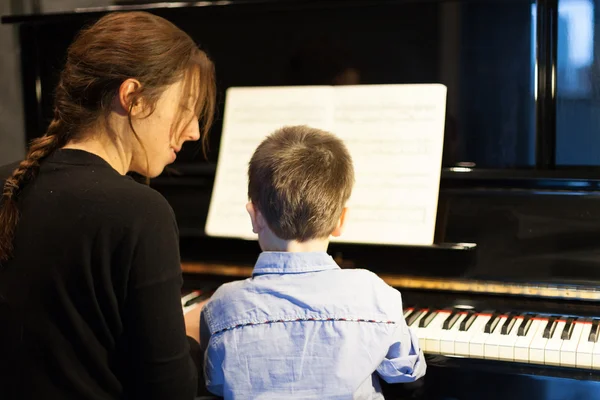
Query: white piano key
pixel 596 356
pixel 538 344
pixel 433 332
pixel 477 342
pixel 552 350
pixel 490 347
pixel 523 342
pixel 418 330
pixel 568 351
pixel 190 296
pixel 448 337
pixel 463 339
pixel 506 343
pixel 585 347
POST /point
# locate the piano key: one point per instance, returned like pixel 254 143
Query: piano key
pixel 550 340
pixel 506 344
pixel 593 337
pixel 468 321
pixel 447 341
pixel 414 324
pixel 554 344
pixel 408 311
pixel 433 332
pixel 539 341
pixel 189 296
pixel 491 324
pixel 525 325
pixel 521 348
pixel 414 316
pixel 508 324
pixel 596 356
pixel 550 327
pixel 463 338
pixel 585 348
pixel 568 331
pixel 477 342
pixel 427 318
pixel 490 347
pixel 568 351
pixel 451 320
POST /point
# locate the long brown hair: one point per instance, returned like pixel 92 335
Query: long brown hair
pixel 117 47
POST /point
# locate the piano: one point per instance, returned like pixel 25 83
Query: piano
pixel 505 302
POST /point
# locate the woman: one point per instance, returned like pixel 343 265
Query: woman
pixel 90 275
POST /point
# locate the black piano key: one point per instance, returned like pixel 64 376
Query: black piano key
pixel 525 325
pixel 508 324
pixel 451 320
pixel 550 327
pixel 568 331
pixel 414 316
pixel 427 318
pixel 197 299
pixel 466 323
pixel 594 332
pixel 491 324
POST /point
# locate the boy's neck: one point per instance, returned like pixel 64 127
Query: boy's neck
pixel 294 246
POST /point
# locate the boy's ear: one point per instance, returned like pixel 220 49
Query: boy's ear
pixel 339 229
pixel 255 217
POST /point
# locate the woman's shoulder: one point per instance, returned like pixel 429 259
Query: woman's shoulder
pixel 133 200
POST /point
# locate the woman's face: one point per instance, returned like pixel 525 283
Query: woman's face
pixel 163 133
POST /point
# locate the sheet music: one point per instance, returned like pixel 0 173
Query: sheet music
pixel 393 132
pixel 395 135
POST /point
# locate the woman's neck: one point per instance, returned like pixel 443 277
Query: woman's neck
pixel 110 151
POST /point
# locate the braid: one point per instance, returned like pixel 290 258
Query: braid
pixel 39 149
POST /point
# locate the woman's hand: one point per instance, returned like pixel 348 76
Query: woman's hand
pixel 192 320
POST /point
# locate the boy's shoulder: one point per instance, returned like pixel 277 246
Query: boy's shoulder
pixel 367 279
pixel 369 282
pixel 353 290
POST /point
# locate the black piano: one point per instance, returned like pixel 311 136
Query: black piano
pixel 506 302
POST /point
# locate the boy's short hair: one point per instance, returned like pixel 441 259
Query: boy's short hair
pixel 300 179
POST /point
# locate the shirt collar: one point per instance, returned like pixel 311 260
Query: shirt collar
pixel 274 262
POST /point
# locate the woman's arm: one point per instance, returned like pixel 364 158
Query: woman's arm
pixel 160 363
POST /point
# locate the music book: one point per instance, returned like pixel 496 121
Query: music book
pixel 394 133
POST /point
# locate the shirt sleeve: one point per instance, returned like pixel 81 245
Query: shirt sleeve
pixel 404 361
pixel 159 360
pixel 213 360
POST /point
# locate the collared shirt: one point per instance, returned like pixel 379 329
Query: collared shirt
pixel 302 327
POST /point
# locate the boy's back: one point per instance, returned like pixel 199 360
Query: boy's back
pixel 303 327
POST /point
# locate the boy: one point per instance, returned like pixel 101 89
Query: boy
pixel 301 327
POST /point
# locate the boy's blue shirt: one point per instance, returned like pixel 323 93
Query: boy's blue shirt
pixel 302 327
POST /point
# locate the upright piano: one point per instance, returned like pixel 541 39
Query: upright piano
pixel 505 303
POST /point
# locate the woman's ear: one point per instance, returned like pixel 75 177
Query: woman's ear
pixel 339 229
pixel 126 98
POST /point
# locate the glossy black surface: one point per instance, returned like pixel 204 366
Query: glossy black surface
pixel 465 45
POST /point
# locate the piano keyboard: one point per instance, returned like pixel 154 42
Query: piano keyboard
pixel 527 338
